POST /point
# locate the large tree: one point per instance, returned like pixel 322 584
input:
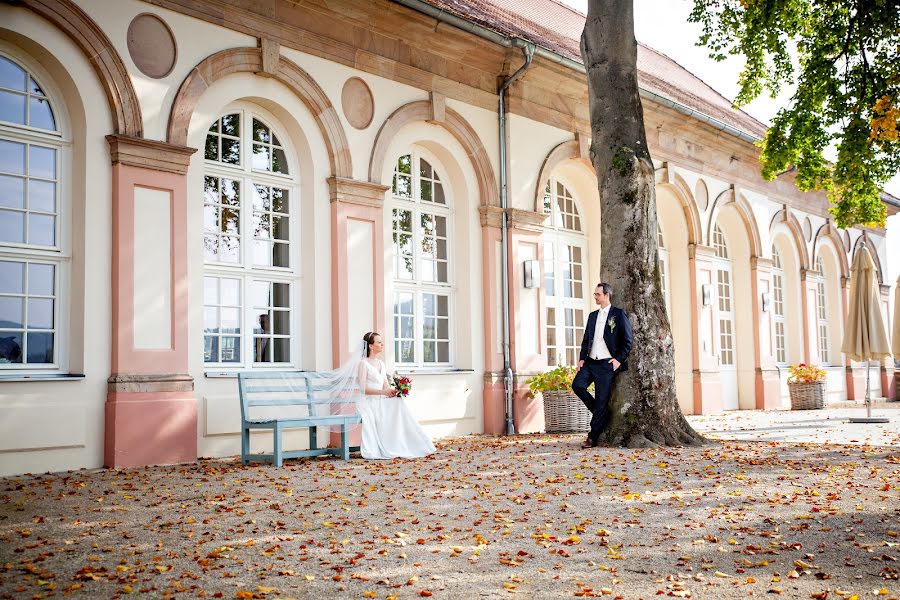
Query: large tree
pixel 644 409
pixel 844 58
pixel 848 52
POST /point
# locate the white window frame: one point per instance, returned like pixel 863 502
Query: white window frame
pixel 417 286
pixel 245 270
pixel 778 321
pixel 823 342
pixel 59 254
pixel 724 300
pixel 560 238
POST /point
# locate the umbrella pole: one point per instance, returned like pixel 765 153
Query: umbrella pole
pixel 868 392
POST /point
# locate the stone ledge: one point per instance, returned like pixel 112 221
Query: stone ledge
pixel 149 154
pixel 141 383
pixel 353 191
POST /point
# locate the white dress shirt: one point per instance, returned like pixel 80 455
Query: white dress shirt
pixel 599 351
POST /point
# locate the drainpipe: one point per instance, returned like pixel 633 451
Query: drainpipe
pixel 528 51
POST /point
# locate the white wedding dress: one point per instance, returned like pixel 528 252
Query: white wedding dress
pixel 388 428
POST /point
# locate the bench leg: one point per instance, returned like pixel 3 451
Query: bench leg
pixel 345 442
pixel 313 443
pixel 245 445
pixel 277 445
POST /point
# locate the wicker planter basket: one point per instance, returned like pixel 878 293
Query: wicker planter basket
pixel 805 396
pixel 564 412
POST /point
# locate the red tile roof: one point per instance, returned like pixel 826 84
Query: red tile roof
pixel 558 27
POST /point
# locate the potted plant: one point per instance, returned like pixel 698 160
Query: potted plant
pixel 564 412
pixel 807 386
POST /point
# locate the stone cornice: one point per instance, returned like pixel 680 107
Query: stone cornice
pixel 354 191
pixel 528 220
pixel 701 251
pixel 491 216
pixel 149 154
pixel 132 383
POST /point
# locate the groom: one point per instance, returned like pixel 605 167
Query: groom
pixel 604 354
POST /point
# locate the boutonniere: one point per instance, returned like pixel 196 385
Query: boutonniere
pixel 612 323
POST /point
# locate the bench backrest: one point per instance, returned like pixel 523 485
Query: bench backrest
pixel 285 388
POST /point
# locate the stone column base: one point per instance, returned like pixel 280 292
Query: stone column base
pixel 150 420
pixel 528 410
pixel 768 389
pixel 494 404
pixel 707 393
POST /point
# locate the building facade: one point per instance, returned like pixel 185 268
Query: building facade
pixel 190 188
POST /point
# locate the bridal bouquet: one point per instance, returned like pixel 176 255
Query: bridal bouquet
pixel 402 384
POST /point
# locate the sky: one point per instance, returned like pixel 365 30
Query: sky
pixel 663 25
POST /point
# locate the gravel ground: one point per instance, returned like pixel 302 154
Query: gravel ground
pixel 531 516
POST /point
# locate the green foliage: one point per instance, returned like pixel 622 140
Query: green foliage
pixel 558 378
pixel 847 90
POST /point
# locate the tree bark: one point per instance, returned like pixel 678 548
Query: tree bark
pixel 644 410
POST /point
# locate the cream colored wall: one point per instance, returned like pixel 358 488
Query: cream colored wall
pixel 529 144
pixel 195 41
pixel 50 426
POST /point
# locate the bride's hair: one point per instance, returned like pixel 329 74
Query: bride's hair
pixel 369 339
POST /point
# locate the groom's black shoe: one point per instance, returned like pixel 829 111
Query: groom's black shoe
pixel 588 443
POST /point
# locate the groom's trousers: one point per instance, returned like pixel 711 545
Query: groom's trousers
pixel 602 375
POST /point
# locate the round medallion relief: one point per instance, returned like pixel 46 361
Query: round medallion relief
pixel 701 195
pixel 807 229
pixel 151 45
pixel 357 102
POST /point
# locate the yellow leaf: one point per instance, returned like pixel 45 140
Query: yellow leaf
pixel 265 590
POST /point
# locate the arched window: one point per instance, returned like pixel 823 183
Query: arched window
pixel 821 312
pixel 423 290
pixel 778 307
pixel 664 269
pixel 32 256
pixel 249 198
pixel 565 256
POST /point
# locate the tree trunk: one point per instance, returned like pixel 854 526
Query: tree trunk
pixel 644 410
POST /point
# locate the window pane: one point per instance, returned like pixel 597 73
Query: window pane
pixel 279 161
pixel 12 226
pixel 12 76
pixel 40 313
pixel 279 227
pixel 443 351
pixel 231 292
pixel 281 255
pixel 211 150
pixel 231 151
pixel 41 115
pixel 407 355
pixel 41 280
pixel 210 319
pixel 12 313
pixel 231 349
pixel 260 132
pixel 282 350
pixel 41 195
pixel 439 197
pixel 42 162
pixel 262 349
pixel 280 200
pixel 230 320
pixel 10 347
pixel 229 249
pixel 261 157
pixel 41 229
pixel 12 157
pixel 406 327
pixel 262 253
pixel 12 107
pixel 210 348
pixel 429 350
pixel 259 294
pixel 443 306
pixel 282 322
pixel 281 295
pixel 231 124
pixel 12 277
pixel 12 191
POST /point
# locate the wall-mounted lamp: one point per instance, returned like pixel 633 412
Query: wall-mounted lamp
pixel 706 294
pixel 766 302
pixel 532 274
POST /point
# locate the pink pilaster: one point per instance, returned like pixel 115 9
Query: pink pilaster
pixel 151 411
pixel 363 202
pixel 493 396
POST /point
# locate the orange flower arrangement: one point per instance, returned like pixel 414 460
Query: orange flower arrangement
pixel 804 373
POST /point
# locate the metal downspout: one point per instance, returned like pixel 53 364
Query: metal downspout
pixel 528 50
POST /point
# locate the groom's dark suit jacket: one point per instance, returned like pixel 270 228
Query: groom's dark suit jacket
pixel 618 339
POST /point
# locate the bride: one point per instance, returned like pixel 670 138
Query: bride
pixel 388 428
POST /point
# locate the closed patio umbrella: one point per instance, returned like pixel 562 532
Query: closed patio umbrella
pixel 865 337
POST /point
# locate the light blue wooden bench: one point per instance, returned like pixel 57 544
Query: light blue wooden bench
pixel 291 389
